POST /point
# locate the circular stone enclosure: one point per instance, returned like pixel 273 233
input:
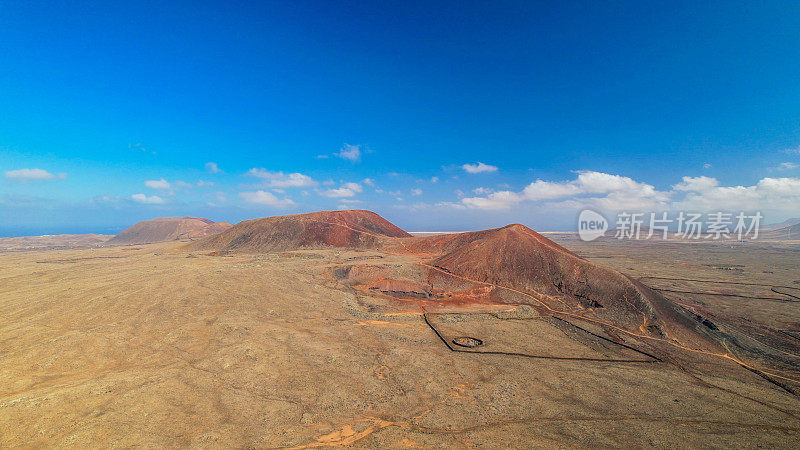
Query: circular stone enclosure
pixel 466 341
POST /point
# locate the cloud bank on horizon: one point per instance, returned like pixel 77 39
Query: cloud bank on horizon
pixel 615 193
pixel 24 175
pixel 442 198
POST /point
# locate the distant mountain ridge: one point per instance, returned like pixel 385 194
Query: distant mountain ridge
pixel 53 241
pixel 791 232
pixel 345 228
pixel 163 229
pixel 785 224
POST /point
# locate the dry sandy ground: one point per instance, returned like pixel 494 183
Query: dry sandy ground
pixel 145 346
pixel 750 269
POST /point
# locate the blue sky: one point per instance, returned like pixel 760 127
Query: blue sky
pixel 391 106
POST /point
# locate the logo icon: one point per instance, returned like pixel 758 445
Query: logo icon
pixel 591 225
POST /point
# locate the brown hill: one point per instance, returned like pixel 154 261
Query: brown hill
pixel 349 228
pixel 524 266
pixel 168 229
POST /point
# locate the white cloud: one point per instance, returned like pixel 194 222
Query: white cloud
pixel 355 187
pixel 706 165
pixel 416 191
pixel 619 192
pixel 212 167
pixel 434 179
pixel 281 180
pixel 32 174
pixel 337 193
pixel 151 200
pixel 349 152
pixel 699 184
pixel 769 194
pixel 494 201
pixel 479 168
pixel 347 190
pixel 637 200
pixel 720 198
pixel 158 184
pixel 266 198
pixel 599 182
pixel 543 190
pixel 482 191
pixel 453 205
pixel 610 192
pixel 368 181
pixel 788 166
pixel 779 186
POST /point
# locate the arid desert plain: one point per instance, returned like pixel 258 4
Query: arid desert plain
pixel 339 329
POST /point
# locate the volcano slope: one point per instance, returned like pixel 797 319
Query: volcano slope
pixel 348 229
pixel 516 265
pixel 163 229
pixel 521 266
